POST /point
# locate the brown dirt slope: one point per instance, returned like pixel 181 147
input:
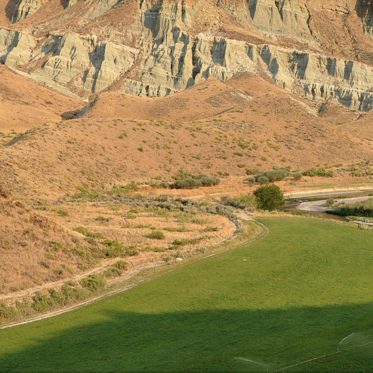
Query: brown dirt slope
pixel 212 128
pixel 25 104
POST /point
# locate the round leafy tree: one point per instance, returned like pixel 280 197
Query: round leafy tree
pixel 269 197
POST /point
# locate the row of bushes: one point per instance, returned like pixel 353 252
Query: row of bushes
pixel 195 182
pixel 167 202
pixel 352 211
pixel 241 202
pixel 70 292
pixel 318 172
pixel 272 176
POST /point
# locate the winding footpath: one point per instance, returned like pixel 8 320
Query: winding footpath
pixel 239 214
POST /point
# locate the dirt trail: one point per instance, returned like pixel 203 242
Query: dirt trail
pixel 242 215
pixel 319 206
pixel 30 291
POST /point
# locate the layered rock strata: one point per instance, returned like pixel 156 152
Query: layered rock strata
pixel 166 49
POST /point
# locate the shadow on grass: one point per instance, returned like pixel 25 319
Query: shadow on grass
pixel 210 340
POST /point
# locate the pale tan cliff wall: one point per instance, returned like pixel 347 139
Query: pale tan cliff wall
pixel 164 50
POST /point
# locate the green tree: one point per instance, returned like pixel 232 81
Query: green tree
pixel 269 197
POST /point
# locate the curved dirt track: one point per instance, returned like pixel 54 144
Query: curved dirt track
pixel 264 232
pixel 319 206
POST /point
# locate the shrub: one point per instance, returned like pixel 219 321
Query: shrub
pixel 297 176
pixel 211 229
pixel 329 202
pixel 276 175
pixel 112 272
pixel 318 172
pixel 263 180
pixel 93 282
pixel 44 263
pixel 21 305
pixel 101 218
pixel 58 298
pixel 55 246
pixel 121 264
pixel 125 189
pixel 269 197
pixel 41 302
pixel 158 249
pixel 241 202
pixel 85 194
pixel 175 229
pixel 250 171
pixel 157 235
pixel 131 251
pixel 250 180
pixel 9 312
pixel 62 213
pixel 113 249
pixel 187 181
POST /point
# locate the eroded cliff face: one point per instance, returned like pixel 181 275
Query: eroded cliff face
pixel 25 8
pixel 364 9
pixel 156 48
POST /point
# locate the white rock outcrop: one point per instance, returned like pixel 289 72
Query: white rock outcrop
pixel 158 54
pixel 25 8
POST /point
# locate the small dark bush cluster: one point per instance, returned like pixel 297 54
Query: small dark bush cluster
pixel 182 242
pixel 185 180
pixel 318 172
pixel 131 251
pixel 41 302
pixel 125 189
pixel 93 282
pixel 113 248
pixel 112 272
pixel 243 202
pixel 84 193
pixel 163 204
pixel 195 182
pixel 268 176
pixel 297 176
pixel 121 264
pixel 8 312
pixel 352 211
pixel 273 175
pixel 156 235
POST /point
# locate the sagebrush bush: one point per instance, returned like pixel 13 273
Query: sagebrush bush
pixel 185 180
pixel 263 180
pixel 93 282
pixel 297 176
pixel 318 172
pixel 157 235
pixel 8 312
pixel 112 272
pixel 113 248
pixel 121 264
pixel 41 302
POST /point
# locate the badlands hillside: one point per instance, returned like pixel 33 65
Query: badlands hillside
pixel 319 49
pixel 103 100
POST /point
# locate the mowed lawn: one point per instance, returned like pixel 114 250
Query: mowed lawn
pixel 288 298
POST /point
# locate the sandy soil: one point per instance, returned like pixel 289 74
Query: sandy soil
pixel 319 206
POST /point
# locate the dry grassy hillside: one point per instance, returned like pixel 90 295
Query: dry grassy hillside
pixel 215 128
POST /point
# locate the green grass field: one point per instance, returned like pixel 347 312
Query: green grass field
pixel 288 298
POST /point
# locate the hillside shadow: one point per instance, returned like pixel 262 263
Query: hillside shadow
pixel 9 9
pixel 111 340
pixel 364 8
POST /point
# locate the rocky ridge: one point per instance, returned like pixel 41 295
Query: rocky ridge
pixel 155 48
